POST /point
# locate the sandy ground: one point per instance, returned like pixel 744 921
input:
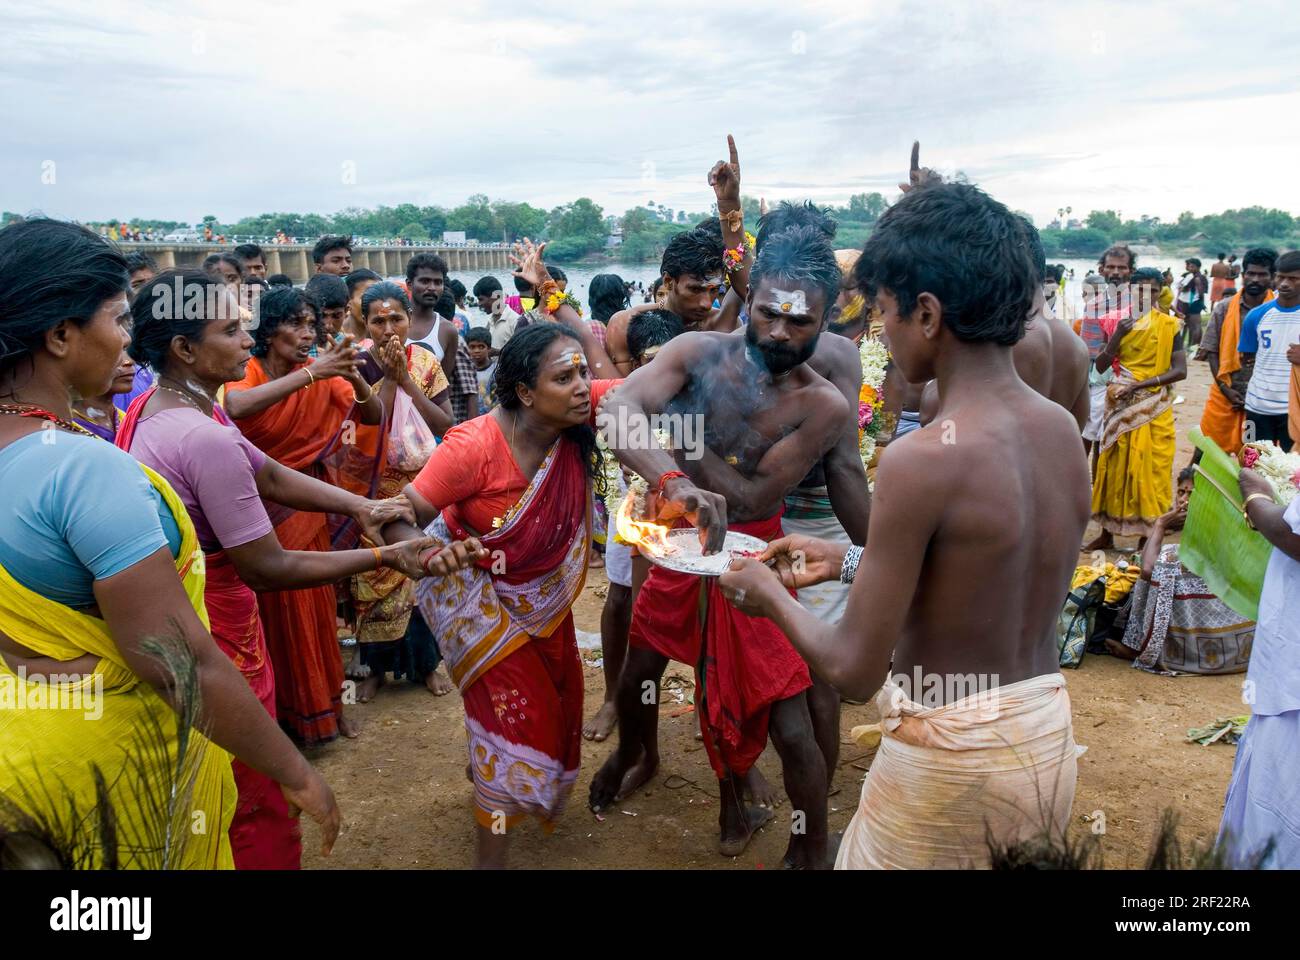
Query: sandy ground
pixel 406 802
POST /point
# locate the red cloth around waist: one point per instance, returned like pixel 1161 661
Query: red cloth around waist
pixel 747 665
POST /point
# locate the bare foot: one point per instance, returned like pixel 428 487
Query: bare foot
pixel 597 560
pixel 438 683
pixel 600 726
pixel 348 727
pixel 368 687
pixel 734 844
pixel 1117 649
pixel 1103 541
pixel 637 776
pixel 757 789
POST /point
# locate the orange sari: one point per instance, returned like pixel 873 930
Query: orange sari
pixel 1220 422
pixel 301 634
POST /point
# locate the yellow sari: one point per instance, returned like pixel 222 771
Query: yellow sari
pixel 1134 482
pixel 56 736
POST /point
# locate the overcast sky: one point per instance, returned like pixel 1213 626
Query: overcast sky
pixel 176 110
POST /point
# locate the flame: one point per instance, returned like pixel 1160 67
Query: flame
pixel 651 538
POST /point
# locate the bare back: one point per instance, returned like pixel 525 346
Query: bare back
pixel 1053 361
pixel 1003 478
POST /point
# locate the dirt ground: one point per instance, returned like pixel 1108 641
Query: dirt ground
pixel 406 803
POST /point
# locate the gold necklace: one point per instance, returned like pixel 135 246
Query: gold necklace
pixel 185 395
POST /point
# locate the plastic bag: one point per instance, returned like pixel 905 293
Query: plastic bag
pixel 410 441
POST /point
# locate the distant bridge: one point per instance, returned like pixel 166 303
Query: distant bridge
pixel 294 259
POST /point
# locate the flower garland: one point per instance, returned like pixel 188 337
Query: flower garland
pixel 556 299
pixel 1281 470
pixel 875 361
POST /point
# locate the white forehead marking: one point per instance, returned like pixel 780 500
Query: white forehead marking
pixel 570 358
pixel 789 301
pixel 713 280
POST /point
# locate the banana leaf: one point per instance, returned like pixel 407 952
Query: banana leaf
pixel 1217 545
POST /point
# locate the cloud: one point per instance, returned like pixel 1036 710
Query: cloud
pixel 152 110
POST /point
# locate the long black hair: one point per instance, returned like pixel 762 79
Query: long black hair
pixel 519 364
pixel 177 303
pixel 51 271
pixel 607 295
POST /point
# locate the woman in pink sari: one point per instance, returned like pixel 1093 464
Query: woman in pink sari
pixel 520 480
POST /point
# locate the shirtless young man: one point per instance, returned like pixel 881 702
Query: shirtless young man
pixel 998 483
pixel 767 418
pixel 691 269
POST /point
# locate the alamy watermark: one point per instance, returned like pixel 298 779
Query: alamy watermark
pixel 627 430
pixel 53 691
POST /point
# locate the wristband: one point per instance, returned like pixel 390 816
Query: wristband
pixel 849 568
pixel 670 475
pixel 734 218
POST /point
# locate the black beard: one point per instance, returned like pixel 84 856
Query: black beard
pixel 1255 289
pixel 779 359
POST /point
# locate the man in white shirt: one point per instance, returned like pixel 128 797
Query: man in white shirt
pixel 1270 352
pixel 501 319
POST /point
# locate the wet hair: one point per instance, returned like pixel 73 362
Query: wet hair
pixel 486 285
pixel 457 289
pixel 327 244
pixel 158 314
pixel 519 364
pixel 279 280
pixel 798 255
pixel 359 275
pixel 329 291
pixel 957 243
pixel 425 261
pixel 384 290
pixel 1194 262
pixel 139 260
pixel 556 273
pixel 1260 256
pixel 249 251
pixel 1289 262
pixel 212 259
pixel 786 214
pixel 479 335
pixel 1118 250
pixel 445 306
pixel 652 328
pixel 607 295
pixel 1034 244
pixel 51 271
pixel 695 252
pixel 276 308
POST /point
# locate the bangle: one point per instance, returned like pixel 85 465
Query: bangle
pixel 849 568
pixel 370 392
pixel 379 557
pixel 1245 507
pixel 311 377
pixel 670 475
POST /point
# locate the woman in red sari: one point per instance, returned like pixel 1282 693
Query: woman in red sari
pixel 176 429
pixel 295 410
pixel 520 480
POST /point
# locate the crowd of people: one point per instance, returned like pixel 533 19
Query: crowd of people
pixel 215 478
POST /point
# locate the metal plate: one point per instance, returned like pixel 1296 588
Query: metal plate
pixel 684 554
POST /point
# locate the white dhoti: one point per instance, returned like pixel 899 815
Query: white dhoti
pixel 998 764
pixel 808 512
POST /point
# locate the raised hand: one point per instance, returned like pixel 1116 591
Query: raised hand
pixel 724 178
pixel 528 258
pixel 917 175
pixel 335 359
pixel 393 359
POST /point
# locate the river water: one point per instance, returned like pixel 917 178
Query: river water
pixel 580 277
